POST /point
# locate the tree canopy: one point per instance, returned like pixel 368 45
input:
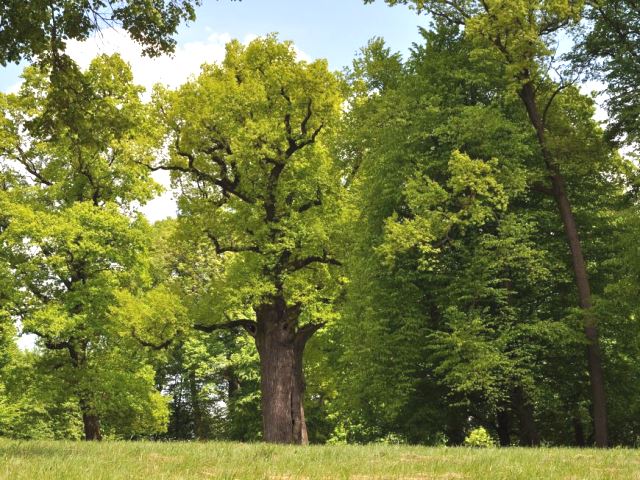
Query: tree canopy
pixel 407 251
pixel 42 28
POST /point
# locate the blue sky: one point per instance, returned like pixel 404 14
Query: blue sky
pixel 332 29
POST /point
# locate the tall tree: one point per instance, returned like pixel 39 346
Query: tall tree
pixel 73 237
pixel 247 144
pixel 521 34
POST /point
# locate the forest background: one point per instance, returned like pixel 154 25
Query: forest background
pixel 447 238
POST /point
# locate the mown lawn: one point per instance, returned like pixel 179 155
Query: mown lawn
pixel 150 461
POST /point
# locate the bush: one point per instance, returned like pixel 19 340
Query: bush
pixel 479 437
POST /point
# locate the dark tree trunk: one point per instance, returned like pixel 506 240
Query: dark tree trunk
pixel 529 436
pixel 503 421
pixel 90 419
pixel 596 374
pixel 90 422
pixel 281 345
pixel 578 432
pixel 196 410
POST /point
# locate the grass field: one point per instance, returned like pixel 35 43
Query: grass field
pixel 150 461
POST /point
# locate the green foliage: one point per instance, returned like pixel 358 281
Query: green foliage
pixel 40 29
pixel 414 221
pixel 479 438
pixel 609 51
pixel 256 188
pixel 456 245
pixel 73 239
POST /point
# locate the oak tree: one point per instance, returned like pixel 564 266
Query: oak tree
pixel 247 144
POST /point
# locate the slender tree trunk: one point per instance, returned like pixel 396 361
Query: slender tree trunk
pixel 503 421
pixel 596 374
pixel 529 436
pixel 196 410
pixel 281 346
pixel 233 388
pixel 578 431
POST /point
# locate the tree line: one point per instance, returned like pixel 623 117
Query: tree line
pixel 449 240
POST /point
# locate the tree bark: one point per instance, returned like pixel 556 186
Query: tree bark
pixel 594 357
pixel 90 421
pixel 281 346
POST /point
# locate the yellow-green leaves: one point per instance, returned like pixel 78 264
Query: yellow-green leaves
pixel 249 143
pixel 472 197
pixel 154 317
pixel 88 142
pixel 475 187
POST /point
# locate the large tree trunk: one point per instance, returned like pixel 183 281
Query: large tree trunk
pixel 596 374
pixel 281 345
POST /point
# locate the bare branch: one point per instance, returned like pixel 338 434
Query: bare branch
pixel 49 342
pixel 550 101
pixel 316 202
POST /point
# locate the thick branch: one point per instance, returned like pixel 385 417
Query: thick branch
pixel 301 263
pixel 231 248
pixel 306 332
pixel 316 202
pixel 249 325
pixel 307 117
pixel 228 186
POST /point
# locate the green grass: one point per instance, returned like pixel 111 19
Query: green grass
pixel 36 460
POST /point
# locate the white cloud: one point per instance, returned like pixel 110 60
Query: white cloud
pixel 27 341
pixel 14 88
pixel 164 205
pixel 171 70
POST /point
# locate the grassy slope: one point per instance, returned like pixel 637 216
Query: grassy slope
pixel 120 460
